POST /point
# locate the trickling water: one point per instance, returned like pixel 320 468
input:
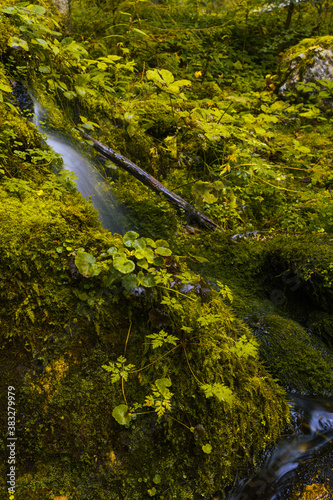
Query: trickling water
pixel 89 181
pixel 314 431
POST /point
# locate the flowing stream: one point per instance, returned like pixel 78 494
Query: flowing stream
pixel 89 181
pixel 297 458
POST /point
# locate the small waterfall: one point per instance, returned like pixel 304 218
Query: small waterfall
pixel 89 181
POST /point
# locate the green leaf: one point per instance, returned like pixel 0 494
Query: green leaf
pixel 142 263
pixel 112 276
pixel 44 69
pixel 5 88
pixel 145 253
pixel 162 76
pixel 123 264
pixel 245 347
pixel 198 258
pixel 112 250
pixel 158 339
pixel 158 261
pixel 37 9
pixel 207 448
pixel 151 243
pixel 18 42
pixel 42 42
pixel 129 238
pixel 157 479
pixel 139 31
pixel 139 244
pixel 220 391
pixel 70 95
pixel 162 384
pixel 81 92
pixel 146 280
pixel 85 262
pixel 129 282
pixel 121 414
pixel 163 251
pixel 161 243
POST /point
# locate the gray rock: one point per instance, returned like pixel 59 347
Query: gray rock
pixel 309 61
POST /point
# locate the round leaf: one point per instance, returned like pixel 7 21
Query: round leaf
pixel 158 261
pixel 145 253
pixel 163 251
pixel 148 281
pixel 85 262
pixel 150 243
pixel 139 244
pixel 123 265
pixel 129 238
pixel 112 250
pixel 120 413
pixel 143 263
pixel 162 243
pixel 207 448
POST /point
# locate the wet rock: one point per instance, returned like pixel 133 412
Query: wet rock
pixel 23 98
pixel 314 492
pixel 309 61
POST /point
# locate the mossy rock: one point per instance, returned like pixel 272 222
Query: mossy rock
pixel 309 61
pixel 294 356
pixel 67 399
pixel 297 272
pixel 321 323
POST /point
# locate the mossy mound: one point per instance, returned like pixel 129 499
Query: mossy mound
pixel 62 327
pixel 321 323
pixel 301 270
pixel 294 357
pixel 269 278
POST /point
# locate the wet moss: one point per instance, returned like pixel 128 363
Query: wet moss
pixel 67 399
pixel 293 356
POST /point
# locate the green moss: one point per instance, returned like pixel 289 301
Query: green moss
pixel 321 323
pixel 80 446
pixel 293 356
pixel 149 212
pixel 6 31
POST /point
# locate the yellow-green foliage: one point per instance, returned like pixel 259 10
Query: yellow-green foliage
pixel 6 31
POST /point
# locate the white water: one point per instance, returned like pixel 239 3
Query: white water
pixel 89 181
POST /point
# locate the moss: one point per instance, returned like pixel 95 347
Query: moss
pixel 321 323
pixel 80 447
pixel 293 356
pixel 7 30
pixel 301 268
pixel 67 399
pixel 147 211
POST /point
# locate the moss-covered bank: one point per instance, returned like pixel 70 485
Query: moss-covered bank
pixel 58 328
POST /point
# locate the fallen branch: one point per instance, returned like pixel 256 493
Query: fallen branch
pixel 194 216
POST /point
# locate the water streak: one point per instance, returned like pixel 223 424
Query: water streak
pixel 89 181
pixel 313 432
